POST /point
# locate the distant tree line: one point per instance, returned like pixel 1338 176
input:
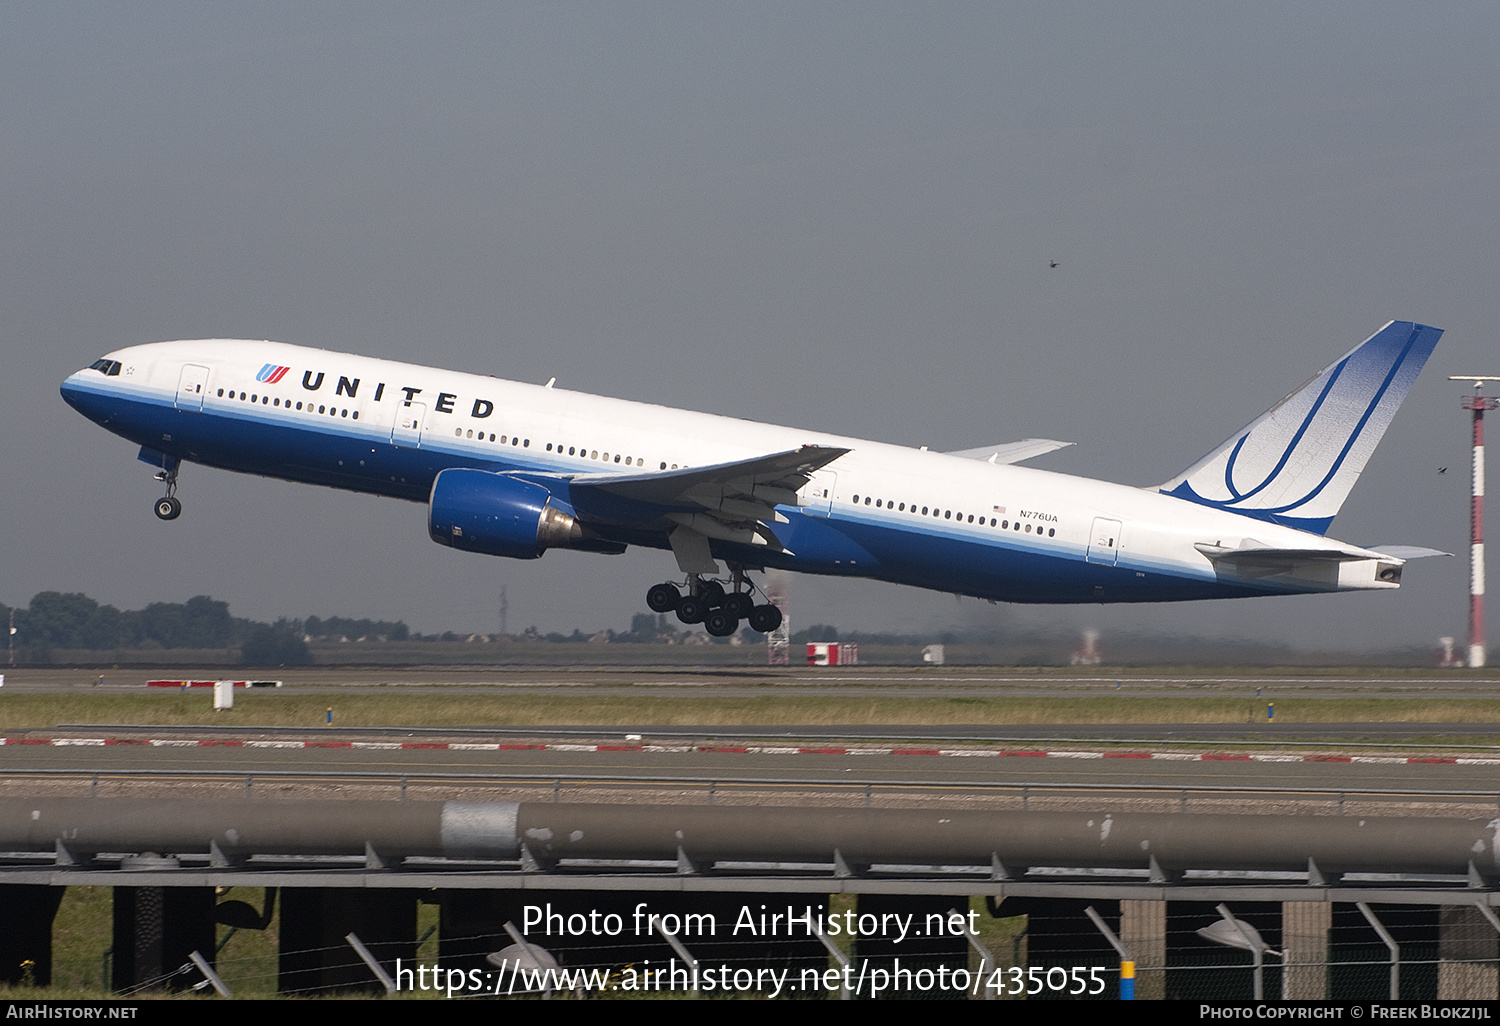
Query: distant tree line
pixel 56 620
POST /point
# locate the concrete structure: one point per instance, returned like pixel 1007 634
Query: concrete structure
pixel 362 868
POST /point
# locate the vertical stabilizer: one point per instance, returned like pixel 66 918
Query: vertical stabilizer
pixel 1296 463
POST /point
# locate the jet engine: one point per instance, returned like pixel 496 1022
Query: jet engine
pixel 500 515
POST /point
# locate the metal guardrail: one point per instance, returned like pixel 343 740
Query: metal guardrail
pixel 868 788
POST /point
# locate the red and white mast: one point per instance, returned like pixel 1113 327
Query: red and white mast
pixel 1477 404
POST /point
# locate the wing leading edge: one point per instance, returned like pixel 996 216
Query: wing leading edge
pixel 733 502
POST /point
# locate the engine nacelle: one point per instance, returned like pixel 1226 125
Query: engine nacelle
pixel 477 511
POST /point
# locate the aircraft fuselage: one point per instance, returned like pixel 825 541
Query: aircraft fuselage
pixel 879 511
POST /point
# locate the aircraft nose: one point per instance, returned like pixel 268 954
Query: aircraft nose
pixel 70 390
pixel 77 394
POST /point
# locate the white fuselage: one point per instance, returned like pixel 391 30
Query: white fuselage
pixel 895 513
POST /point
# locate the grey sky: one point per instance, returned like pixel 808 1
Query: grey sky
pixel 831 215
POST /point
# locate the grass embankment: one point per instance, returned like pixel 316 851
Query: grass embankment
pixel 441 710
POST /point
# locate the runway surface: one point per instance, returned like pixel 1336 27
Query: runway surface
pixel 1406 757
pixel 914 682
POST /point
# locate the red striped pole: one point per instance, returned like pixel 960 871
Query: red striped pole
pixel 1477 404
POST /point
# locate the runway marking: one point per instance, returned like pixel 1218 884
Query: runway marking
pixel 774 750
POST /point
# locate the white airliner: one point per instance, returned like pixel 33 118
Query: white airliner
pixel 511 469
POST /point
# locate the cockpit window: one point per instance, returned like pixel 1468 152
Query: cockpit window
pixel 109 368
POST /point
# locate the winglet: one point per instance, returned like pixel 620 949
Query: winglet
pixel 1296 463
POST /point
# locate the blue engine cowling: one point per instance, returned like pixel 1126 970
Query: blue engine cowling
pixel 477 511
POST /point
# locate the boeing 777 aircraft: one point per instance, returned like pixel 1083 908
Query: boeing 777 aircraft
pixel 511 469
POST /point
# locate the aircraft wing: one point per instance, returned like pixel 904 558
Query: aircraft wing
pixel 728 501
pixel 750 487
pixel 1012 452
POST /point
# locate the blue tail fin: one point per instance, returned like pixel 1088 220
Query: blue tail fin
pixel 1296 462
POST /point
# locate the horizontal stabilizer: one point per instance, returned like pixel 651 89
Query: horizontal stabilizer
pixel 1254 553
pixel 1012 452
pixel 1296 463
pixel 1407 551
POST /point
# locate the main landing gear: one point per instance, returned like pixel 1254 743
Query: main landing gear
pixel 708 603
pixel 168 507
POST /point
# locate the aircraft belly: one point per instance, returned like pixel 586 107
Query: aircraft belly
pixel 1003 569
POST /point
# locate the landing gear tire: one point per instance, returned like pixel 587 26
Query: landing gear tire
pixel 738 605
pixel 663 598
pixel 168 507
pixel 765 619
pixel 691 609
pixel 712 593
pixel 720 624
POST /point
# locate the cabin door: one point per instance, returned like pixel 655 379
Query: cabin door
pixel 407 431
pixel 1104 542
pixel 191 386
pixel 816 496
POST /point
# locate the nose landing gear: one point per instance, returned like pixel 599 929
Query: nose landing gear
pixel 708 603
pixel 169 507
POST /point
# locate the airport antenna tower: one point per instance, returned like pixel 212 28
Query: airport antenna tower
pixel 779 641
pixel 1477 404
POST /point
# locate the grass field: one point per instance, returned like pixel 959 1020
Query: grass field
pixel 374 708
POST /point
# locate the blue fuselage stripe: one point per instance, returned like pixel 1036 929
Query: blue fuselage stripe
pixel 977 561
